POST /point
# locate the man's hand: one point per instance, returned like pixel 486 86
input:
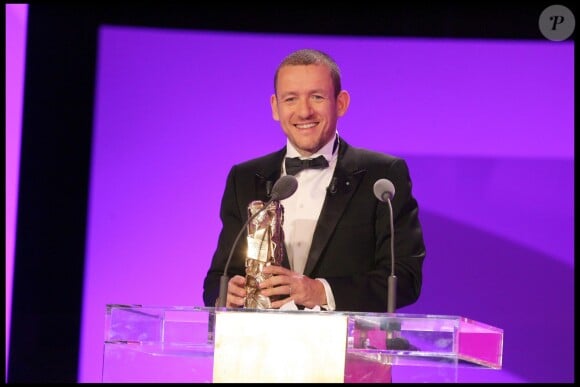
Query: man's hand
pixel 300 288
pixel 236 292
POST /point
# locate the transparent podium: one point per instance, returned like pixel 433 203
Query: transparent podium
pixel 198 344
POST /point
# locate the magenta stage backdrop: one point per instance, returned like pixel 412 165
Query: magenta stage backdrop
pixel 486 126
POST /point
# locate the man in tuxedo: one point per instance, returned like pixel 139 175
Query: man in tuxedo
pixel 336 232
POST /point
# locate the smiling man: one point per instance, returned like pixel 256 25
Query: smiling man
pixel 336 253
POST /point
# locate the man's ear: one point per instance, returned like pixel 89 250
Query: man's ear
pixel 342 102
pixel 274 106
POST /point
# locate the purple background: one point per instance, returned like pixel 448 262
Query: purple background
pixel 486 127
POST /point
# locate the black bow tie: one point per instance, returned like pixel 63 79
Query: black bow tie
pixel 295 165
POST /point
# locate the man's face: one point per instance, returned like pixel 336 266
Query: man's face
pixel 306 107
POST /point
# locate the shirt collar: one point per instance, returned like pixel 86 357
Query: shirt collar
pixel 326 150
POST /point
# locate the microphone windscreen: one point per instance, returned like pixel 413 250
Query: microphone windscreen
pixel 284 187
pixel 384 190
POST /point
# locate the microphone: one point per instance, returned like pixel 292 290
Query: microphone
pixel 385 191
pixel 283 188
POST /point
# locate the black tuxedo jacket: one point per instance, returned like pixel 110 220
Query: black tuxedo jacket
pixel 351 242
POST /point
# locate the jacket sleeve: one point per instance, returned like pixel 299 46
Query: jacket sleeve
pixel 232 221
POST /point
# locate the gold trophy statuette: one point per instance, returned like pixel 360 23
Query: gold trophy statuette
pixel 265 247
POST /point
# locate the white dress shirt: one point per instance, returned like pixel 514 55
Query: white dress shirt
pixel 302 209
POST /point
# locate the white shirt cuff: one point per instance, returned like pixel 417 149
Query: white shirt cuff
pixel 330 304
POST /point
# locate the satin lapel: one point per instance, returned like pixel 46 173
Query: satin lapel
pixel 347 175
pixel 267 173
